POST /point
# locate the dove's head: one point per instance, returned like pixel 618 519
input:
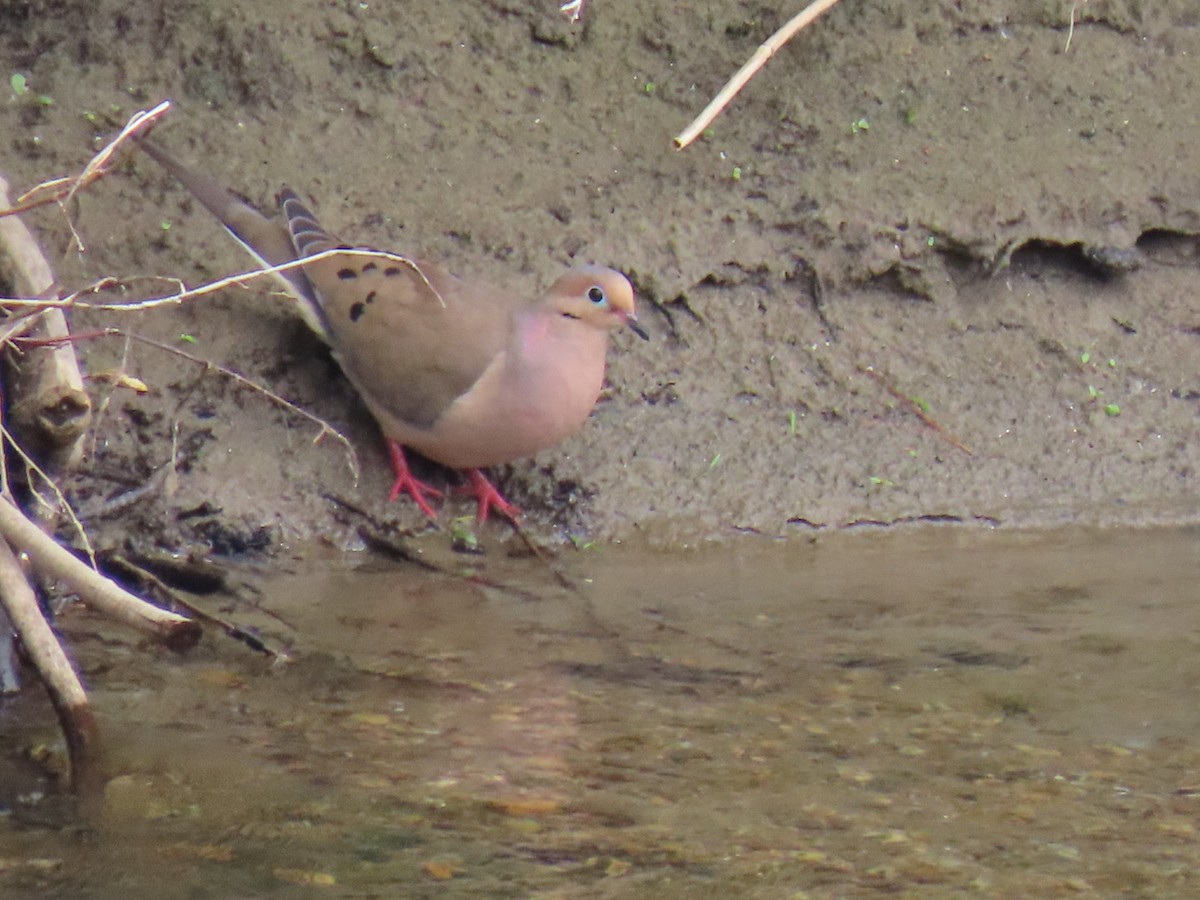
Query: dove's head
pixel 598 296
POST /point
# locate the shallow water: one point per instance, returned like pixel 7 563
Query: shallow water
pixel 921 712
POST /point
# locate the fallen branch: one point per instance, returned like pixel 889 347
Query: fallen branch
pixel 47 403
pixel 769 48
pixel 62 683
pixel 96 590
pixel 48 408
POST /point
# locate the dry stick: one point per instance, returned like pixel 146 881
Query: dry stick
pixel 237 632
pixel 915 409
pixel 72 301
pixel 103 593
pixel 324 426
pixel 60 501
pixel 48 405
pixel 746 72
pixel 64 190
pixel 46 397
pixel 62 683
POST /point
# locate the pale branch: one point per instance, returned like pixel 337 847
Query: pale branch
pixel 768 49
pixel 72 301
pixel 75 715
pixel 55 561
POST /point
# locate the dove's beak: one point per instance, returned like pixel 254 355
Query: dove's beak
pixel 631 323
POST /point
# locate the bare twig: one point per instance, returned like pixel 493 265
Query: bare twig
pixel 62 683
pixel 63 190
pixel 915 408
pixel 237 632
pixel 45 508
pixel 72 301
pixel 325 427
pixel 1071 25
pixel 746 72
pixel 51 559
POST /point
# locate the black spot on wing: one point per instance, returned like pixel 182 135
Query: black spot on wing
pixel 392 271
pixel 356 311
pixel 371 297
pixel 347 274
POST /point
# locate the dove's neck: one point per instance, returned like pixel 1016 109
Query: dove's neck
pixel 556 364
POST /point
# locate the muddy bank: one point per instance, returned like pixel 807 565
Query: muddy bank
pixel 932 263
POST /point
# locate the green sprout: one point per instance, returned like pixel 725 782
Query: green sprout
pixel 737 173
pixel 1111 409
pixel 1085 357
pixel 650 87
pixel 187 338
pixel 792 423
pixel 19 84
pixel 715 461
pixel 861 124
pixel 461 533
pixel 582 543
pixel 884 482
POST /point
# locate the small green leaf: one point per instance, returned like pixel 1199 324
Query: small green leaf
pixel 187 338
pixel 650 87
pixel 462 534
pixel 1085 357
pixel 737 173
pixel 861 124
pixel 19 84
pixel 715 461
pixel 792 422
pixel 1112 409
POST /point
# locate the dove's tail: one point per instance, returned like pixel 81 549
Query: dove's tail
pixel 265 239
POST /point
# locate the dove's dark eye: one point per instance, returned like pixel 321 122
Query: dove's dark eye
pixel 596 294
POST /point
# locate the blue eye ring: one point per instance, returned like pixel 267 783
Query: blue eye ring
pixel 596 294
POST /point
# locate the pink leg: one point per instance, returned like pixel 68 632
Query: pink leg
pixel 487 496
pixel 406 483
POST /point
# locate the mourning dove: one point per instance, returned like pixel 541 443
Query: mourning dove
pixel 462 372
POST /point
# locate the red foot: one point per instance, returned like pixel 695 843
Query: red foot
pixel 406 483
pixel 487 496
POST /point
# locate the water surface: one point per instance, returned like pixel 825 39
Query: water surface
pixel 924 713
